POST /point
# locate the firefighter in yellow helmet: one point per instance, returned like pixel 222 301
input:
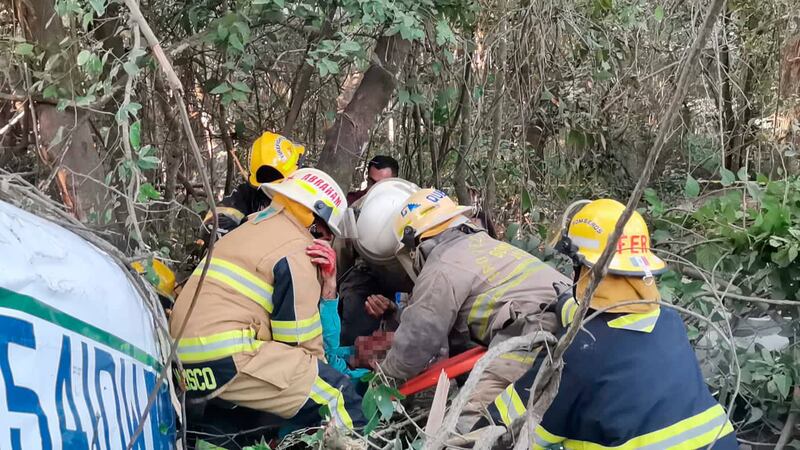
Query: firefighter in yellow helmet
pixel 255 336
pixel 161 277
pixel 272 158
pixel 470 289
pixel 630 379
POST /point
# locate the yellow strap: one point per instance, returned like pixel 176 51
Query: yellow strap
pixel 217 346
pixel 694 432
pixel 240 280
pixel 296 331
pixel 323 393
pixel 644 322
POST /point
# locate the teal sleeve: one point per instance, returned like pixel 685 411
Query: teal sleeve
pixel 331 331
pixel 331 324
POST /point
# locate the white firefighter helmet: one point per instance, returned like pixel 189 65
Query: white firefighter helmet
pixel 315 190
pixel 375 239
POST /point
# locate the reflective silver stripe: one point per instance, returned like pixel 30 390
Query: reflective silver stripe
pixel 641 325
pixel 242 340
pixel 294 331
pixel 505 397
pixel 699 430
pixel 255 288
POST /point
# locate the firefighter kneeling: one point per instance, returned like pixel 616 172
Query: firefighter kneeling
pixel 630 379
pixel 254 336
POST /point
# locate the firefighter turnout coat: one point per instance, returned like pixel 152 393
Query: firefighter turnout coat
pixel 630 381
pixel 471 289
pixel 254 336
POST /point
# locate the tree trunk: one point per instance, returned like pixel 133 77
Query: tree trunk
pixel 726 97
pixel 346 140
pixel 490 196
pixel 460 174
pixel 79 168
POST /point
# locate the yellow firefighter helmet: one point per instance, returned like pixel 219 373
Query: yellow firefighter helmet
pixel 273 158
pixel 592 225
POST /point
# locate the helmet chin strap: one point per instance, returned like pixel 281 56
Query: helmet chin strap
pixel 405 260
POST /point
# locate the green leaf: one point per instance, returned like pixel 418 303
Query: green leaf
pixel 50 91
pixel 87 20
pixel 24 49
pixel 692 188
pixel 727 176
pixel 546 95
pixel 443 33
pixel 742 174
pixel 148 192
pixel 236 42
pixel 99 6
pixel 238 96
pixel 239 86
pixel 385 405
pixel 350 47
pixel 577 139
pixel 511 231
pixel 131 68
pixel 203 445
pixel 783 383
pixel 403 96
pixel 658 14
pixel 84 56
pixel 221 89
pixel 136 134
pixel 525 202
pixel 148 162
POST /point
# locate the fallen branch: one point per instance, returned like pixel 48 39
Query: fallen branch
pixel 515 343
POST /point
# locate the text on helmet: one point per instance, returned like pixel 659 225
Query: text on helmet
pixel 597 229
pixel 435 196
pixel 324 187
pixel 281 155
pixel 634 244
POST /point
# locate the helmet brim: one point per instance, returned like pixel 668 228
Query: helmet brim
pixel 628 266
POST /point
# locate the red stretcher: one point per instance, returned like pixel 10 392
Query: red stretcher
pixel 453 367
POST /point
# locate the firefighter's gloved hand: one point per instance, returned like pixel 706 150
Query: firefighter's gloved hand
pixel 331 331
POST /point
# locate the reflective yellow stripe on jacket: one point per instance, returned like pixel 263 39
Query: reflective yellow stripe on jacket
pixel 509 405
pixel 695 432
pixel 216 346
pixel 483 307
pixel 296 331
pixel 238 279
pixel 323 393
pixel 644 322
